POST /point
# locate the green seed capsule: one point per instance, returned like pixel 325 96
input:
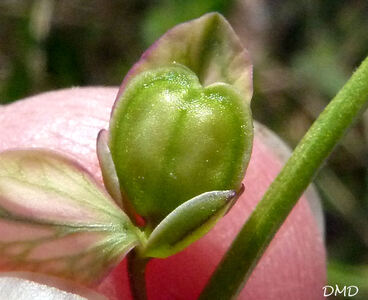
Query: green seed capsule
pixel 172 139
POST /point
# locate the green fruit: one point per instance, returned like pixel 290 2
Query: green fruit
pixel 172 139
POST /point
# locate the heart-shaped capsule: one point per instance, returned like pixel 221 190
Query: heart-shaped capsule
pixel 172 139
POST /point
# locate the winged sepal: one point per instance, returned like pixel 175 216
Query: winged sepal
pixel 208 46
pixel 56 219
pixel 187 223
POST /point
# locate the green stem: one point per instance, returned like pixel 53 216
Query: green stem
pixel 251 242
pixel 136 272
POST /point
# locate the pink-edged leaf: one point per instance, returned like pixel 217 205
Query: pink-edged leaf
pixel 208 46
pixel 56 219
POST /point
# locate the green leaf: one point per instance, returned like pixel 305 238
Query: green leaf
pixel 171 140
pixel 187 223
pixel 56 219
pixel 208 46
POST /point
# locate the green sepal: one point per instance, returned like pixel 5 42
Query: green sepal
pixel 109 176
pixel 188 222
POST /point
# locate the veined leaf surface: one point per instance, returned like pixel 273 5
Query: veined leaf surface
pixel 56 219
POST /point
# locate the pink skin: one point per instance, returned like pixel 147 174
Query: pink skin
pixel 293 267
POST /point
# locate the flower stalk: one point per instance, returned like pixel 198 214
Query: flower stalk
pixel 136 271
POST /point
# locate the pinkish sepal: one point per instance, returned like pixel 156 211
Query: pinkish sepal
pixel 208 46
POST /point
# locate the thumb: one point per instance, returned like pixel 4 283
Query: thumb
pixel 293 267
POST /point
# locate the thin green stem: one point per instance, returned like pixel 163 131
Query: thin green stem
pixel 136 272
pixel 251 242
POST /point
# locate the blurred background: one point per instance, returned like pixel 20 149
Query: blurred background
pixel 303 52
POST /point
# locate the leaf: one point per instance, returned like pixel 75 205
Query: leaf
pixel 55 218
pixel 208 46
pixel 188 222
pixel 109 175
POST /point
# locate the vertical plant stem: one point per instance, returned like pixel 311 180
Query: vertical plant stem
pixel 251 242
pixel 136 271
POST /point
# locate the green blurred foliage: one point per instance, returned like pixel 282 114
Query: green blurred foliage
pixel 303 52
pixel 166 14
pixel 48 44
